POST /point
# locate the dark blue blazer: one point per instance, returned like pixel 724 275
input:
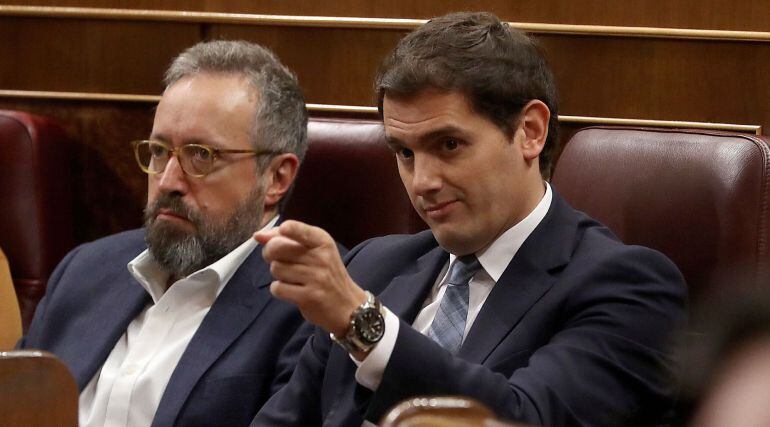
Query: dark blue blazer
pixel 575 332
pixel 242 353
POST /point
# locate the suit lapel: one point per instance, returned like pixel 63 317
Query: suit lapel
pixel 405 294
pixel 527 278
pixel 234 310
pixel 123 301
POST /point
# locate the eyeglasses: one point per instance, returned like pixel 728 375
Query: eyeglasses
pixel 195 159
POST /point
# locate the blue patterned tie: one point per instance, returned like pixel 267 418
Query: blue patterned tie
pixel 448 326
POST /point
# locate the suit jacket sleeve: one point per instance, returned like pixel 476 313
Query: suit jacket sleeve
pixel 30 339
pixel 298 403
pixel 604 363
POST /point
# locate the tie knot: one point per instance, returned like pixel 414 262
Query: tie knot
pixel 463 269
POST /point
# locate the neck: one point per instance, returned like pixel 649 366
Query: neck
pixel 268 216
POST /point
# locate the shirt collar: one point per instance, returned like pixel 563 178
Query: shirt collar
pixel 153 278
pixel 496 257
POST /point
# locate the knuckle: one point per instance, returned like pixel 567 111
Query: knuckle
pixel 276 269
pixel 276 289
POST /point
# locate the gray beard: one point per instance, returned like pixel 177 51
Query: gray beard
pixel 182 253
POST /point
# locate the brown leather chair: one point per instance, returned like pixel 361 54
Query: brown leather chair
pixel 441 411
pixel 700 197
pixel 35 202
pixel 349 183
pixel 36 389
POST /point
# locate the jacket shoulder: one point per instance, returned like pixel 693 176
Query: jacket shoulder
pixel 117 246
pixel 395 246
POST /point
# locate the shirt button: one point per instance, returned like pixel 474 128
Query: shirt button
pixel 130 370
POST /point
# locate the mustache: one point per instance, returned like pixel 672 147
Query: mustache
pixel 173 203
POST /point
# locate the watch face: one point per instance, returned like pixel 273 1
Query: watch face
pixel 370 325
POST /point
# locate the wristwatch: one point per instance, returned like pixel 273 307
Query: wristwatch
pixel 367 326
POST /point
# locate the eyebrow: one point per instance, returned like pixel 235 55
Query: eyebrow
pixel 158 137
pixel 443 131
pixel 198 141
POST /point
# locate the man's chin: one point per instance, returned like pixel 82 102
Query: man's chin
pixel 455 241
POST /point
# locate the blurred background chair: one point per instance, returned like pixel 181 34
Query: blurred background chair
pixel 700 197
pixel 36 390
pixel 349 184
pixel 724 372
pixel 36 227
pixel 10 319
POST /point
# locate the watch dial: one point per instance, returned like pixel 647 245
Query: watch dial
pixel 371 325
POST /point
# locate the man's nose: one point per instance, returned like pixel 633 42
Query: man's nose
pixel 427 175
pixel 173 178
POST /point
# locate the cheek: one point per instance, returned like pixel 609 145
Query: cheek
pixel 406 180
pixel 152 190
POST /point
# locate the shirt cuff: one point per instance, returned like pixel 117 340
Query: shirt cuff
pixel 370 370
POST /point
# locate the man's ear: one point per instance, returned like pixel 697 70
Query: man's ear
pixel 278 177
pixel 533 121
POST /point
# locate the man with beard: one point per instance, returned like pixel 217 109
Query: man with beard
pixel 174 324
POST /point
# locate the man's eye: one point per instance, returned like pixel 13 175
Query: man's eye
pixel 451 144
pixel 198 153
pixel 405 153
pixel 157 150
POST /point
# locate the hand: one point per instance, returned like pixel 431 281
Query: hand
pixel 309 273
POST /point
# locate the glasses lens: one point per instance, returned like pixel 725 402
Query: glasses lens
pixel 152 156
pixel 196 159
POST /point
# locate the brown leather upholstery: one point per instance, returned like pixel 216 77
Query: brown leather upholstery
pixel 36 390
pixel 349 183
pixel 441 411
pixel 699 197
pixel 35 202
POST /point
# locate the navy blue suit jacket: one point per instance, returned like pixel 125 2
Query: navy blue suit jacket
pixel 243 351
pixel 574 333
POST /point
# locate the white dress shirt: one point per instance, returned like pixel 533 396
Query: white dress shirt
pixel 127 389
pixel 494 260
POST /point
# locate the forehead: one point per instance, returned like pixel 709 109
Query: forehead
pixel 206 107
pixel 428 112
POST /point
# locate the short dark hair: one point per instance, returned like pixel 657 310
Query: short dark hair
pixel 498 68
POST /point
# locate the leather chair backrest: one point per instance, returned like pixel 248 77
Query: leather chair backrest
pixel 349 183
pixel 700 197
pixel 35 202
pixel 36 390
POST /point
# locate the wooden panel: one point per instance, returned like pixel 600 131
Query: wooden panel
pixel 334 66
pixel 87 55
pixel 662 79
pixel 709 14
pixel 639 78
